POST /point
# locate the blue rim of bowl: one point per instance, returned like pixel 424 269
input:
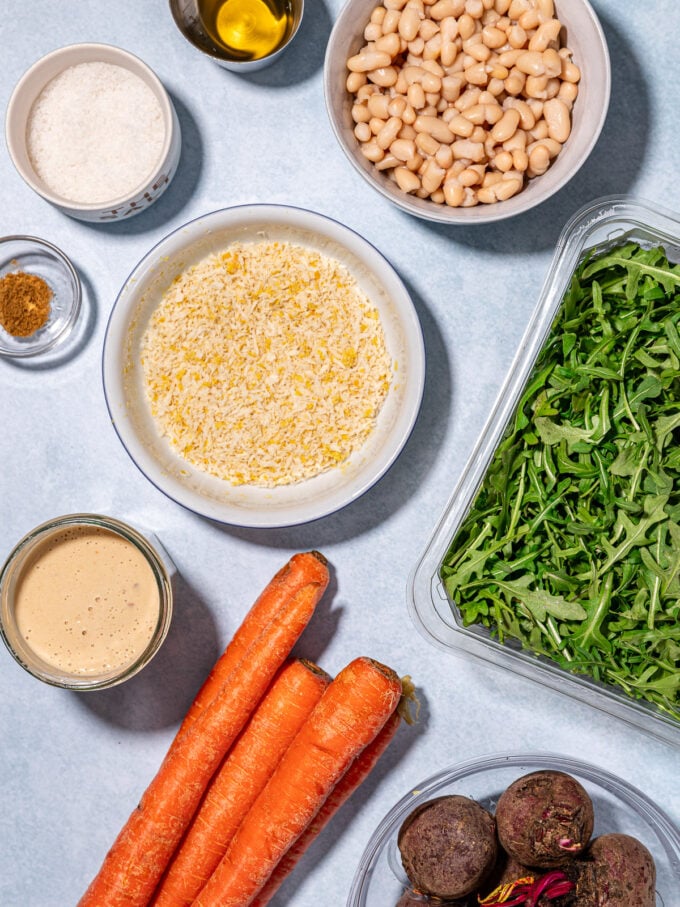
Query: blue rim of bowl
pixel 666 831
pixel 75 304
pixel 373 478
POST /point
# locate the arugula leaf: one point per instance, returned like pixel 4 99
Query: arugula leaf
pixel 571 547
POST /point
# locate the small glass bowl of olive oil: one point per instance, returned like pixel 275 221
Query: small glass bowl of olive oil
pixel 239 34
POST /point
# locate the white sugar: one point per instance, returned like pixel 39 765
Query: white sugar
pixel 95 133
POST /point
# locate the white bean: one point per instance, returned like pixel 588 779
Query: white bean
pixel 362 131
pixel 391 21
pixel 368 60
pixel 403 149
pixel 460 125
pixel 472 151
pixel 444 156
pixel 389 44
pixel 545 34
pixel 354 82
pixel 387 162
pixel 531 63
pixel 388 133
pixel 372 151
pixel 506 127
pixel 409 24
pixel 378 106
pixel 557 117
pixel 385 77
pixel 539 159
pixel 432 176
pixel 454 193
pixel 434 127
pixel 406 179
pixel 361 113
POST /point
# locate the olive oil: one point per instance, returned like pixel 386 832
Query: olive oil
pixel 247 29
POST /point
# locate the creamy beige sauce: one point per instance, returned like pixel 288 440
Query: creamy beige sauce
pixel 87 601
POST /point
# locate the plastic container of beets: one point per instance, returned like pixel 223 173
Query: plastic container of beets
pixel 606 223
pixel 380 880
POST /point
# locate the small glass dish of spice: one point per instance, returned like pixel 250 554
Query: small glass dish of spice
pixel 40 296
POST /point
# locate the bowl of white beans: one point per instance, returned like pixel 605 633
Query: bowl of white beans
pixel 467 111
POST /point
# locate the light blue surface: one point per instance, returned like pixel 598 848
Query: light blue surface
pixel 74 765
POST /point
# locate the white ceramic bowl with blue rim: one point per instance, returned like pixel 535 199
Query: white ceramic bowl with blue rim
pixel 249 505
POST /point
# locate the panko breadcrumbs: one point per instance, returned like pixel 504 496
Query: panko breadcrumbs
pixel 265 364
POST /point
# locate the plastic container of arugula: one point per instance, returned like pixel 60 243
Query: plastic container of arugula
pixel 558 554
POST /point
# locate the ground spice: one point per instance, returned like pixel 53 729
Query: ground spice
pixel 24 303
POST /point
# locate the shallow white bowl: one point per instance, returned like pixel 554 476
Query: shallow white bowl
pixel 29 87
pixel 584 36
pixel 124 383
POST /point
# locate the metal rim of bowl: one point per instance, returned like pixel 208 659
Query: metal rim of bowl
pixel 236 65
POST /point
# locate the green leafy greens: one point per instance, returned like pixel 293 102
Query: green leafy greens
pixel 572 544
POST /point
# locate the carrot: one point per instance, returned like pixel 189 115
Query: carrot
pixel 355 775
pixel 349 716
pixel 246 769
pixel 303 568
pixel 143 849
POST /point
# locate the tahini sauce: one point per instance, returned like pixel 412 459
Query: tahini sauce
pixel 87 601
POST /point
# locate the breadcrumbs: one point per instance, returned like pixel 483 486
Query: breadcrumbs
pixel 265 364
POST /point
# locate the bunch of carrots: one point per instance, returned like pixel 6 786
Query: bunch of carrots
pixel 269 750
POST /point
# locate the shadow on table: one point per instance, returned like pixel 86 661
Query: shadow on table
pixel 344 821
pixel 611 168
pixel 404 477
pixel 305 56
pixel 159 696
pixel 180 191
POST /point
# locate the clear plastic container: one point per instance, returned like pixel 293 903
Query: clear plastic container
pixel 618 807
pixel 607 222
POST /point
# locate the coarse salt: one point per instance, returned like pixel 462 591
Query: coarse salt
pixel 95 133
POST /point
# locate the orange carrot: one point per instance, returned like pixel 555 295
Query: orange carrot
pixel 302 569
pixel 348 717
pixel 143 849
pixel 350 781
pixel 246 769
pixel 355 775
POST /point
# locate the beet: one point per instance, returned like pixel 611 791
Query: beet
pixel 617 871
pixel 448 846
pixel 413 899
pixel 544 819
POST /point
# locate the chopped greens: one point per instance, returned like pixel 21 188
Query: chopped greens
pixel 572 544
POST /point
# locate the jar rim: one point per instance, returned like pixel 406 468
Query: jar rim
pixel 11 569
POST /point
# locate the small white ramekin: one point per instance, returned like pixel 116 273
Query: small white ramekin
pixel 18 112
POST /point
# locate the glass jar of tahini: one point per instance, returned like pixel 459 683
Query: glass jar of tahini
pixel 85 601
